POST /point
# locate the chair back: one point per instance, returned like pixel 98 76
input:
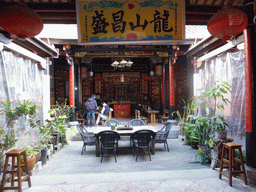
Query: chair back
pixel 108 139
pixel 143 138
pixel 86 136
pixel 164 132
pixel 110 121
pixel 166 128
pixel 136 122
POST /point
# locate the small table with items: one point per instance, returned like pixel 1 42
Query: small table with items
pixel 152 116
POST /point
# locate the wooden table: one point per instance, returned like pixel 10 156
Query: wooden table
pixel 96 130
pixel 152 116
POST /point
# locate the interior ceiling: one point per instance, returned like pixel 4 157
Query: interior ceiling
pixel 198 12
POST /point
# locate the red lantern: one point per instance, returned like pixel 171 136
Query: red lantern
pixel 20 21
pixel 227 23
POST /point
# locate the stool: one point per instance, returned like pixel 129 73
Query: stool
pixel 230 148
pixel 15 169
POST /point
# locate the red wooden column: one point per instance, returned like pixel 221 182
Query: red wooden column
pixel 249 66
pixel 171 88
pixel 72 92
pixel 71 86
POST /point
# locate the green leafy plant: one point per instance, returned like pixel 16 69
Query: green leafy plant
pixel 188 109
pixel 59 113
pixel 219 123
pixel 10 115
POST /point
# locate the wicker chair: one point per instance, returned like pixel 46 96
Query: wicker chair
pixel 162 135
pixel 108 141
pixel 142 139
pixel 87 137
pixel 136 122
pixel 110 121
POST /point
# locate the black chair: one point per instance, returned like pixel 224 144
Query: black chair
pixel 136 122
pixel 142 139
pixel 110 121
pixel 108 141
pixel 162 135
pixel 87 137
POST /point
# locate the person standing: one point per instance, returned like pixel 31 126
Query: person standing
pixel 91 106
pixel 104 113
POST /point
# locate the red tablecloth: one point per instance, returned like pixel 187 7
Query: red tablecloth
pixel 122 110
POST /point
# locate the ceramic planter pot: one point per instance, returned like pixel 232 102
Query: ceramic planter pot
pixel 31 161
pixel 38 156
pixel 194 145
pixel 43 156
pixel 221 135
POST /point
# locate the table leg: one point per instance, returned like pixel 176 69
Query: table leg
pixel 97 148
pixel 153 147
pixel 153 119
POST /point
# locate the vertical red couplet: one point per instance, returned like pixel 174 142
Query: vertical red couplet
pixel 81 85
pixel 71 87
pixel 172 98
pixel 248 80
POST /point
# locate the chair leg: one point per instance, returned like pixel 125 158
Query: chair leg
pixel 115 155
pixel 83 149
pixel 167 146
pixel 149 153
pixel 137 153
pixel 101 155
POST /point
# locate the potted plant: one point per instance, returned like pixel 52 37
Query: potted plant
pixel 220 127
pixel 11 115
pixel 59 114
pixel 46 138
pixel 183 117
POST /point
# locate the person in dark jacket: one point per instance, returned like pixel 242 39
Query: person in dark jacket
pixel 91 106
pixel 104 113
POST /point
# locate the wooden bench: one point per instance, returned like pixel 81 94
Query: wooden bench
pixel 164 117
pixel 80 120
pixel 138 116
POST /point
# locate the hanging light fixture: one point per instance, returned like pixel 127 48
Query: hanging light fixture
pixel 122 64
pixel 115 64
pixel 129 63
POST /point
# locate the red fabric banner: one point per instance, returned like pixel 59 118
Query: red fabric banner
pixel 122 110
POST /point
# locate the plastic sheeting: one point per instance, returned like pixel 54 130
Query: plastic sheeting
pixel 21 79
pixel 229 67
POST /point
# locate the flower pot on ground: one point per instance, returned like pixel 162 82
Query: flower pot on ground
pixel 194 145
pixel 44 149
pixel 204 154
